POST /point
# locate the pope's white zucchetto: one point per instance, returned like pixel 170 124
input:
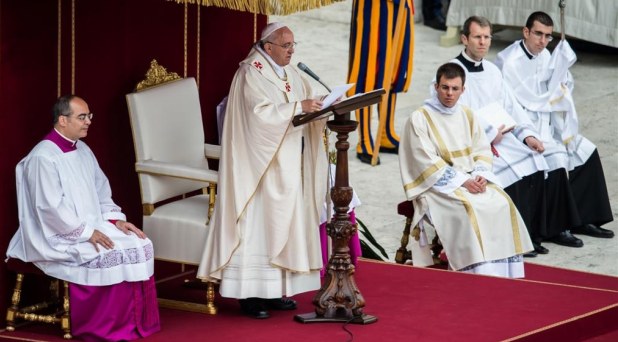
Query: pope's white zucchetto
pixel 270 28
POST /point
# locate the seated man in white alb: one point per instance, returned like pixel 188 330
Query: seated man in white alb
pixel 445 161
pixel 71 229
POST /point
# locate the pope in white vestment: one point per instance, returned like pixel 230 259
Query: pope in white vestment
pixel 443 150
pixel 263 239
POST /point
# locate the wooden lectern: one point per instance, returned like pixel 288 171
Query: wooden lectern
pixel 339 299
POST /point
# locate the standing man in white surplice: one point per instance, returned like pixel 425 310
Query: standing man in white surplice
pixel 264 243
pixel 542 84
pixel 445 161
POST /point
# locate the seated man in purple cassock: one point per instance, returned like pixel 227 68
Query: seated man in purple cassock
pixel 71 229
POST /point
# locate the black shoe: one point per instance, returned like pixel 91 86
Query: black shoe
pixel 593 230
pixel 540 249
pixel 253 307
pixel 280 303
pixel 391 150
pixel 567 239
pixel 531 254
pixel 366 158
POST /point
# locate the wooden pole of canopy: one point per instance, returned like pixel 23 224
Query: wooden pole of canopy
pixel 388 78
pixel 562 5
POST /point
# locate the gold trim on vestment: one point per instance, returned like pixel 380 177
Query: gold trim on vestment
pixel 444 152
pixel 471 215
pixel 513 215
pixel 462 153
pixel 470 118
pixel 486 159
pixel 425 174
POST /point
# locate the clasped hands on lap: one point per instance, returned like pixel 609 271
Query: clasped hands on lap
pixel 476 185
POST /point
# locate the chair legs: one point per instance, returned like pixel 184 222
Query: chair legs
pixel 403 254
pixel 212 189
pixel 29 313
pixel 211 309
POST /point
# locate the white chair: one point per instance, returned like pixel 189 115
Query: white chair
pixel 177 187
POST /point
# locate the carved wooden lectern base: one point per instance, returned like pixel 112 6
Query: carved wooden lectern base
pixel 339 299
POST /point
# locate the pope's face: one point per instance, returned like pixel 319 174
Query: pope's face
pixel 75 125
pixel 477 42
pixel 537 37
pixel 449 90
pixel 281 47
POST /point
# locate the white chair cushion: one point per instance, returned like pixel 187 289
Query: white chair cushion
pixel 182 222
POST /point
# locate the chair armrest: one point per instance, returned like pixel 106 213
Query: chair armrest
pixel 176 170
pixel 212 151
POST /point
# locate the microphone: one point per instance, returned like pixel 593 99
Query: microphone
pixel 306 69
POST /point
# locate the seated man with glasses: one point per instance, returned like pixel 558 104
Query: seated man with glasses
pixel 71 229
pixel 263 244
pixel 542 85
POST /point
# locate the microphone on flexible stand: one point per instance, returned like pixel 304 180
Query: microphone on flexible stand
pixel 306 69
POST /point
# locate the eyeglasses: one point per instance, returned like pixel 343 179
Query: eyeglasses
pixel 540 35
pixel 286 46
pixel 82 117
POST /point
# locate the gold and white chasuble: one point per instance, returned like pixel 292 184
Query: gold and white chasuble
pixel 263 239
pixel 474 228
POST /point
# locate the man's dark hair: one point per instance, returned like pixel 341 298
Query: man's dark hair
pixel 481 21
pixel 62 107
pixel 541 17
pixel 450 71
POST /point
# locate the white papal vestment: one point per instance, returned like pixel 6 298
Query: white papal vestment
pixel 263 240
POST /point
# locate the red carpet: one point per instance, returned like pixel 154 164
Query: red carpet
pixel 419 304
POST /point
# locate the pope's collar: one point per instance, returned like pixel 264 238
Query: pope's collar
pixel 278 68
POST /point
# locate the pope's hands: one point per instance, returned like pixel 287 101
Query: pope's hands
pixel 311 105
pixel 476 185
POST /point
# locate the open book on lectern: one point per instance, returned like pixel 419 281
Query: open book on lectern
pixel 345 106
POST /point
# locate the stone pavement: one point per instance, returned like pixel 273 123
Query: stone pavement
pixel 323 36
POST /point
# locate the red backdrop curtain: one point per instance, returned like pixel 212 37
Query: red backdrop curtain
pixel 114 43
